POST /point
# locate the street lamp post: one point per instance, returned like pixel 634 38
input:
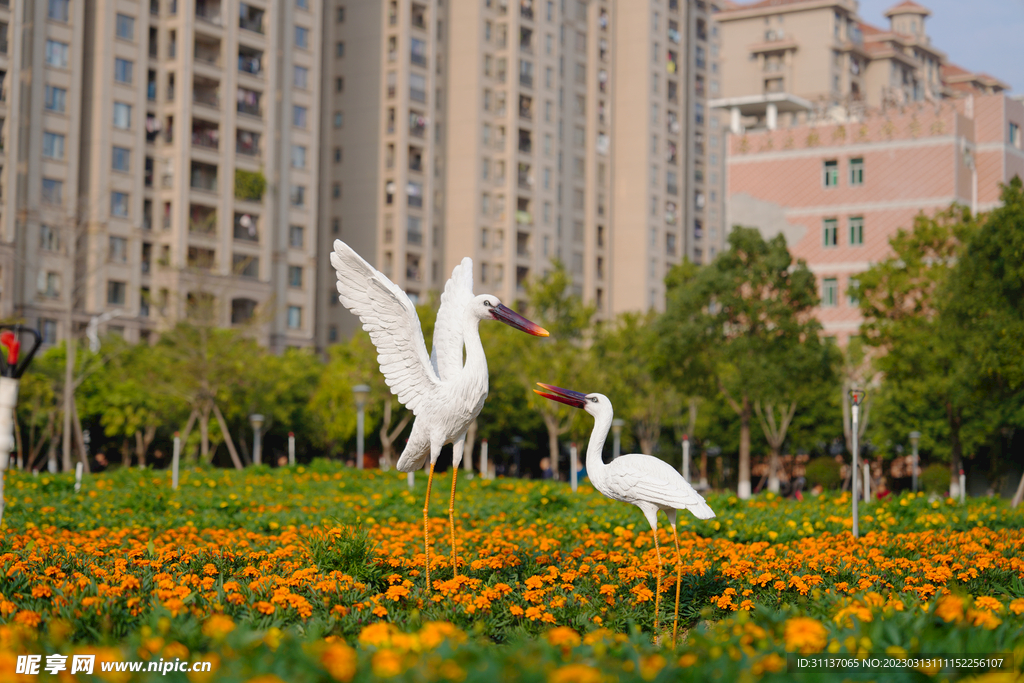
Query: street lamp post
pixel 685 469
pixel 256 420
pixel 915 437
pixel 617 424
pixel 361 393
pixel 856 399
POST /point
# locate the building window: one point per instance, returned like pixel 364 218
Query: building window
pixel 53 145
pixel 116 292
pixel 49 284
pixel 341 15
pixel 339 84
pixel 294 317
pixel 122 70
pixel 118 252
pixel 122 115
pixel 56 99
pixel 339 48
pixel 298 195
pixel 298 156
pixel 49 330
pixel 831 232
pixel 122 159
pixel 856 231
pixel 246 266
pixel 57 54
pixel 295 276
pixel 301 80
pixel 125 27
pixel 336 190
pixel 300 116
pixel 296 236
pixel 1015 135
pixel 339 119
pixel 856 171
pixel 53 191
pixel 831 174
pixel 58 10
pixel 302 4
pixel 829 292
pixel 301 37
pixel 698 112
pixel 337 155
pixel 119 204
pixel 852 291
pixel 49 240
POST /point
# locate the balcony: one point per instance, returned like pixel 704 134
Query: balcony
pixel 250 18
pixel 250 61
pixel 415 159
pixel 417 125
pixel 203 177
pixel 525 141
pixel 201 259
pixel 246 227
pixel 526 9
pixel 419 16
pixel 249 102
pixel 246 266
pixel 204 92
pixel 207 52
pixel 202 220
pixel 205 134
pixel 209 11
pixel 526 107
pixel 247 143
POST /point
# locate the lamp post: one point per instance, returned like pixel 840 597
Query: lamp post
pixel 856 400
pixel 915 437
pixel 361 393
pixel 617 424
pixel 685 469
pixel 256 420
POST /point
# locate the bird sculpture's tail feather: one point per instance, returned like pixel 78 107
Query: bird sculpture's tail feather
pixel 701 510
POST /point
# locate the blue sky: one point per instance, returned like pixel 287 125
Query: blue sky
pixel 979 35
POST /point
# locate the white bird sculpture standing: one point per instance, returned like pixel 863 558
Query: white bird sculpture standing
pixel 643 480
pixel 444 394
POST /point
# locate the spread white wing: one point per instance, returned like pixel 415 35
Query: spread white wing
pixel 390 317
pixel 446 356
pixel 637 477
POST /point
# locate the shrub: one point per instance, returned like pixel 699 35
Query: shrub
pixel 935 479
pixel 249 184
pixel 824 471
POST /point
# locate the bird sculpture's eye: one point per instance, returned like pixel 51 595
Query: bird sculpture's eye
pixel 487 303
pixel 593 399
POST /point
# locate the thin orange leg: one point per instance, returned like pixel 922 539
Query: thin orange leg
pixel 657 583
pixel 679 579
pixel 451 520
pixel 426 531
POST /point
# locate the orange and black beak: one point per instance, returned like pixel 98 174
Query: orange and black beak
pixel 506 315
pixel 566 396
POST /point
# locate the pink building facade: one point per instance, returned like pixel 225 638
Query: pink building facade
pixel 838 191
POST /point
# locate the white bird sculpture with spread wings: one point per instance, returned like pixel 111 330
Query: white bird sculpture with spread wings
pixel 642 480
pixel 444 394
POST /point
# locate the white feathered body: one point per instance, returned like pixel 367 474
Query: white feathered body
pixel 444 395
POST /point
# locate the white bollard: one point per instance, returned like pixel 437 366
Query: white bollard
pixel 573 466
pixel 485 472
pixel 78 477
pixel 963 487
pixel 174 461
pixel 411 479
pixel 291 448
pixel 867 483
pixel 686 458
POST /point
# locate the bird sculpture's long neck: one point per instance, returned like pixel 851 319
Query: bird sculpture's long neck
pixel 595 462
pixel 476 361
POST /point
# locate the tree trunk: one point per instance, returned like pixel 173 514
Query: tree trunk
pixel 204 434
pixel 554 431
pixel 140 454
pixel 388 435
pixel 743 485
pixel 1019 495
pixel 467 456
pixel 80 435
pixel 185 433
pixel 775 434
pixel 227 436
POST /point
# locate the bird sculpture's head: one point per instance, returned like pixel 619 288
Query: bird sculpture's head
pixel 595 404
pixel 489 307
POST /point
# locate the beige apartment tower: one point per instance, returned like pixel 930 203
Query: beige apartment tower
pixel 518 133
pixel 162 163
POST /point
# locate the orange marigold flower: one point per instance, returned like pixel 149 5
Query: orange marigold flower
pixel 264 607
pixel 805 635
pixel 989 603
pixel 534 613
pixel 950 608
pixel 516 610
pixel 563 636
pixel 218 626
pixel 386 663
pixel 377 634
pixel 576 673
pixel 983 618
pixel 396 593
pixel 608 589
pixel 380 612
pixel 28 618
pixel 209 570
pixel 340 661
pixel 434 633
pixel 1017 606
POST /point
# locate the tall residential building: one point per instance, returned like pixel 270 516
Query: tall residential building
pixel 165 159
pixel 518 133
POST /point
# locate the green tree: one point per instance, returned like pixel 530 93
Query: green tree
pixel 924 360
pixel 745 321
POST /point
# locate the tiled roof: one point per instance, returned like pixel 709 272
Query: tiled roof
pixel 907 6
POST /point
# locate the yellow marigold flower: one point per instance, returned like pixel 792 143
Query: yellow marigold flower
pixel 273 638
pixel 340 660
pixel 950 608
pixel 651 666
pixel 377 634
pixel 575 673
pixel 218 626
pixel 434 633
pixel 386 663
pixel 1017 606
pixel 989 603
pixel 563 636
pixel 805 635
pixel 689 659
